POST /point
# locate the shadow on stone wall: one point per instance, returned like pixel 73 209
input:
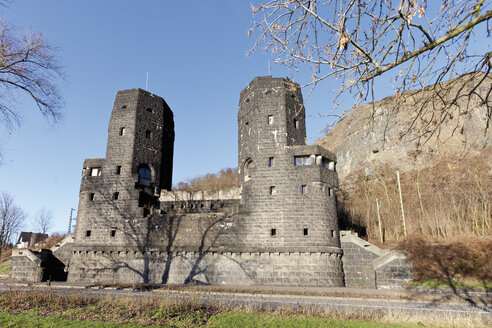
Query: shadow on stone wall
pixel 155 238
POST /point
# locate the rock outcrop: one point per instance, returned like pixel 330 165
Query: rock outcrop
pixel 416 128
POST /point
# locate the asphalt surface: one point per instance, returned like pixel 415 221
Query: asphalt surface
pixel 420 302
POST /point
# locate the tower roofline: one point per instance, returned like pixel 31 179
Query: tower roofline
pixel 138 91
pixel 259 80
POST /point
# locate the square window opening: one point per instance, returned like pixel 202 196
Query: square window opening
pixel 122 131
pixel 118 170
pixel 272 190
pixel 271 162
pixel 270 119
pixel 296 124
pixel 333 234
pixel 302 160
pixel 88 233
pixel 96 171
pixel 273 232
pixel 303 189
pixel 116 195
pixel 148 134
pixel 113 232
pixel 305 231
pixel 92 196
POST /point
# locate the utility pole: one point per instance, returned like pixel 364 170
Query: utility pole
pixel 401 204
pixel 379 221
pixel 70 221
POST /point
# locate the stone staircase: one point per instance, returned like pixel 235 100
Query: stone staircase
pixel 35 266
pixel 366 265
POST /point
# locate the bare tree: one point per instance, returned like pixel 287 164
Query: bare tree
pixel 43 221
pixel 352 42
pixel 11 219
pixel 28 66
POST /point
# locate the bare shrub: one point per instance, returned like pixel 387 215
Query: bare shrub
pixel 53 240
pixel 464 258
pixel 224 179
pixel 5 254
pixel 451 199
pixel 12 218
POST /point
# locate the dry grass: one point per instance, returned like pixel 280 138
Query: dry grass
pixel 187 311
pixel 469 320
pixel 78 306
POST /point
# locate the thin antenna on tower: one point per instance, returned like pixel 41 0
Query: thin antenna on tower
pixel 147 81
pixel 70 221
pixel 268 67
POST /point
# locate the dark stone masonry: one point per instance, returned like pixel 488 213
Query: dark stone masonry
pixel 279 227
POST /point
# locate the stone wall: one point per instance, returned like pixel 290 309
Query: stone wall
pixel 25 265
pixel 128 231
pixel 392 270
pixel 217 268
pixel 366 265
pixel 46 264
pixel 279 227
pixel 285 204
pixel 213 201
pixel 63 250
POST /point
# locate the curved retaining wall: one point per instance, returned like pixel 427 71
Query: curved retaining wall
pixel 217 268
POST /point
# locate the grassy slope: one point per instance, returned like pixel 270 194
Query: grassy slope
pixel 27 320
pixel 46 309
pixel 266 320
pixel 5 267
pixel 225 320
pixel 5 260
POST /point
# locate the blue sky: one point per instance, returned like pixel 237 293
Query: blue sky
pixel 195 54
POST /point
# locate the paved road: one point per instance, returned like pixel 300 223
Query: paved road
pixel 294 302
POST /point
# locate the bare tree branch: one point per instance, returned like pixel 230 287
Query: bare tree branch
pixel 43 221
pixel 28 66
pixel 11 219
pixel 351 43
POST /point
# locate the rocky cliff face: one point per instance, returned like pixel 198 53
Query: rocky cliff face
pixel 416 129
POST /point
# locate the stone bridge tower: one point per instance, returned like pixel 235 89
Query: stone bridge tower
pixel 288 188
pixel 119 193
